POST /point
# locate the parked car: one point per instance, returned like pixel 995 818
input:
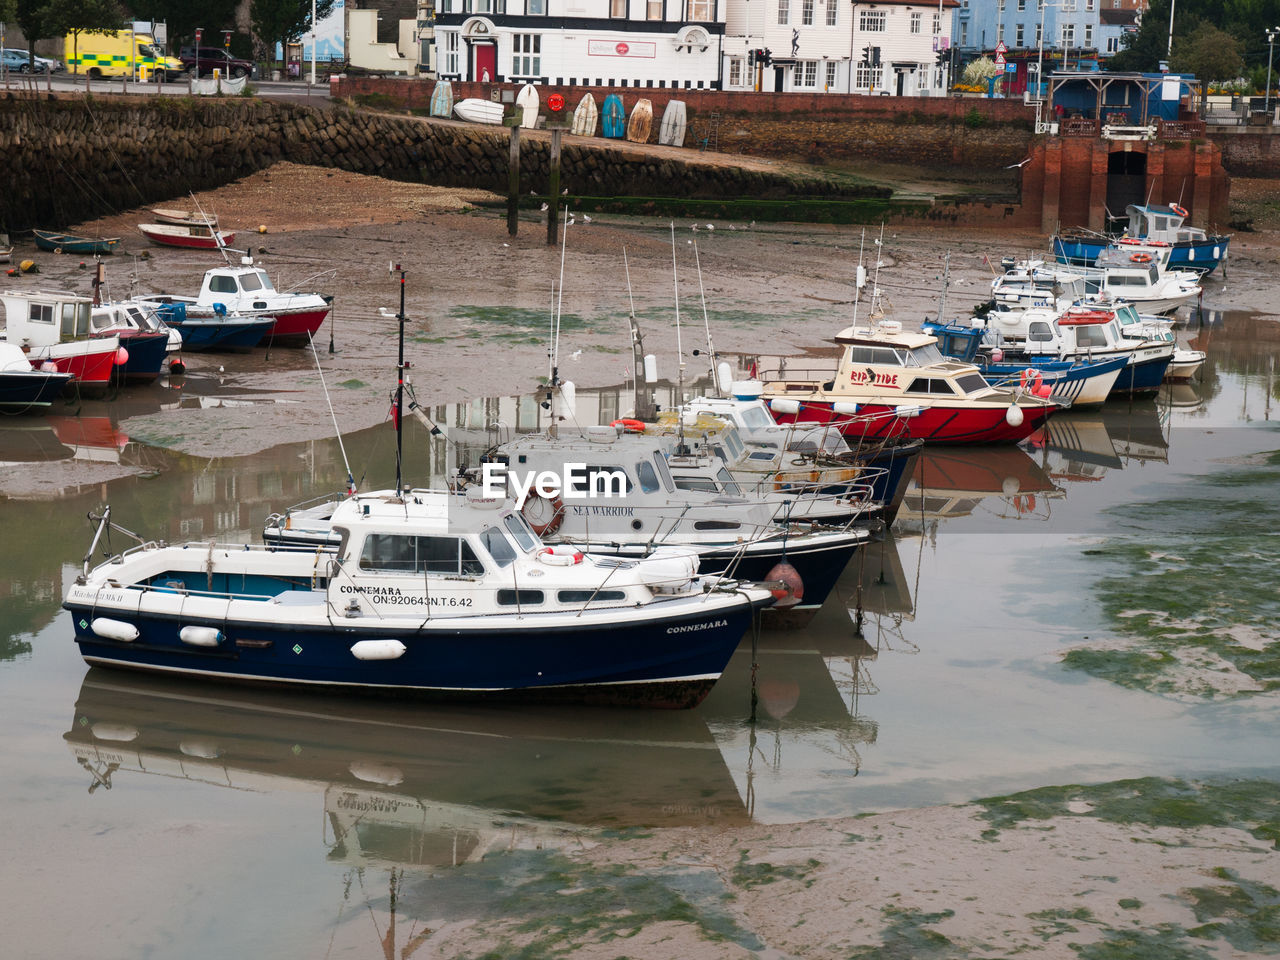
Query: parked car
pixel 208 59
pixel 19 61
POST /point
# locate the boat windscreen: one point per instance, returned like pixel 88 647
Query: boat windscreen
pixel 970 383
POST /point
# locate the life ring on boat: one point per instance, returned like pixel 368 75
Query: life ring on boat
pixel 1031 380
pixel 560 557
pixel 629 426
pixel 543 514
pixel 1178 209
pixel 1141 258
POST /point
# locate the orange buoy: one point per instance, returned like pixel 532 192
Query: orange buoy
pixel 630 426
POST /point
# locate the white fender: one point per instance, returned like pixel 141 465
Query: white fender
pixel 844 408
pixel 114 629
pixel 380 773
pixel 784 405
pixel 378 649
pixel 668 569
pixel 200 749
pixel 201 636
pixel 119 732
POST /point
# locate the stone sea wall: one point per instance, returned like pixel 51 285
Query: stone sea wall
pixel 69 159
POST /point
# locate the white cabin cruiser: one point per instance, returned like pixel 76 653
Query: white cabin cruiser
pixel 1135 278
pixel 428 592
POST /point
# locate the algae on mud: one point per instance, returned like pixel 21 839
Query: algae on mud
pixel 1188 587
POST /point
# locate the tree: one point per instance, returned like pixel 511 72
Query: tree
pixel 7 11
pixel 74 17
pixel 182 17
pixel 1209 54
pixel 284 21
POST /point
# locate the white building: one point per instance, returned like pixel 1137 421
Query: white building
pixel 893 47
pixel 622 43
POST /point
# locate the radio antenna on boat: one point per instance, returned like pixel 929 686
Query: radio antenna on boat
pixel 393 268
pixel 946 281
pixel 859 276
pixel 877 311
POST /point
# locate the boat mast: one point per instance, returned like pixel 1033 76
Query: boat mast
pixel 642 403
pixel 395 267
pixel 946 281
pixel 706 322
pixel 681 449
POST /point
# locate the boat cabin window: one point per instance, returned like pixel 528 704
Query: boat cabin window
pixel 394 553
pixel 696 483
pixel 716 525
pixel 1127 315
pixel 222 284
pixel 582 596
pixel 1039 331
pixel 499 547
pixel 75 319
pixel 755 417
pixel 930 385
pixel 648 477
pixel 762 456
pixel 855 353
pixel 102 319
pixel 734 444
pixel 520 598
pixel 1159 224
pixel 264 280
pixel 251 281
pixel 970 383
pixel 41 313
pixel 924 356
pixel 519 530
pixel 664 472
pixel 1091 336
pixel 729 485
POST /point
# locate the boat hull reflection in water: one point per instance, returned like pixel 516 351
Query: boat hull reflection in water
pixel 412 785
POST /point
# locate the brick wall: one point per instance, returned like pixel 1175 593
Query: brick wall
pixel 812 127
pixel 1249 153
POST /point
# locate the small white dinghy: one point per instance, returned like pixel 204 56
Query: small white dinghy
pixel 476 110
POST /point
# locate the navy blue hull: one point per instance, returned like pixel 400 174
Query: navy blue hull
pixel 221 335
pixel 819 567
pixel 670 661
pixel 22 389
pixel 1144 377
pixel 146 356
pixel 1200 255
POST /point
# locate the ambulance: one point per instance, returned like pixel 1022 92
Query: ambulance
pixel 120 53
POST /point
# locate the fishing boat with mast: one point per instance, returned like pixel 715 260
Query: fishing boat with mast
pixel 429 592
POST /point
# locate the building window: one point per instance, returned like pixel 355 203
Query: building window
pixel 450 53
pixel 653 10
pixel 833 11
pixel 699 11
pixel 537 8
pixel 915 22
pixel 806 13
pixel 527 61
pixel 866 77
pixel 964 34
pixel 1017 36
pixel 735 71
pixel 1088 34
pixel 784 11
pixel 937 25
pixel 807 73
pixel 618 9
pixel 871 21
pixel 1088 5
pixel 1068 6
pixel 831 72
pixel 1039 37
pixel 1022 5
pixel 1068 34
pixel 1113 44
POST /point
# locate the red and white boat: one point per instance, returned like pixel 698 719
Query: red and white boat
pixel 246 291
pixel 54 328
pixel 184 217
pixel 891 383
pixel 192 236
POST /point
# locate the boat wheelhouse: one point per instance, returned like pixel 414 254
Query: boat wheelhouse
pixel 1133 277
pixel 55 327
pixel 888 382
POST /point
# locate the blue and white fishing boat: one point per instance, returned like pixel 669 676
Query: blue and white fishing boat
pixel 1191 248
pixel 221 331
pixel 1076 382
pixel 1089 331
pixel 1138 278
pixel 429 593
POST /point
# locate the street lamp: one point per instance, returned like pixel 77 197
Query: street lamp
pixel 1272 33
pixel 313 42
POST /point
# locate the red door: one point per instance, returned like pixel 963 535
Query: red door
pixel 486 62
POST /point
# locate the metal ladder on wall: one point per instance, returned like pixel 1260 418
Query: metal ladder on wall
pixel 708 135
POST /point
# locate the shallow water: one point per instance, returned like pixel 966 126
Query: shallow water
pixel 176 819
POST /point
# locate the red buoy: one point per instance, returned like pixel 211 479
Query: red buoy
pixel 792 591
pixel 122 357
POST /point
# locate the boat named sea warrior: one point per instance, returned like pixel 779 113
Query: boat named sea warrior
pixel 429 593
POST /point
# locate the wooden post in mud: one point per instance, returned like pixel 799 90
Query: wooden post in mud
pixel 513 182
pixel 553 188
